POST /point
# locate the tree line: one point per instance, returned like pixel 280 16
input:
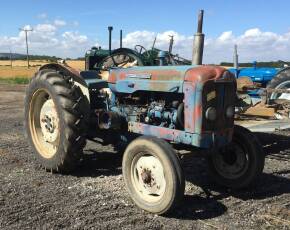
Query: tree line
pixel 272 64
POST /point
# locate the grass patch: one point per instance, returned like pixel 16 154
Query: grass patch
pixel 15 80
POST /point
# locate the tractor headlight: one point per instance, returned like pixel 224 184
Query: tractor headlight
pixel 210 113
pixel 230 112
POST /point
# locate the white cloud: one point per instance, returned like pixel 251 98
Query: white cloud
pixel 253 44
pixel 42 16
pixel 47 39
pixel 44 28
pixel 146 38
pixel 73 42
pixel 226 36
pixel 58 22
pixel 71 39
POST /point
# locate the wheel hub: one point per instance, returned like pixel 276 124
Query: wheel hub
pixel 231 162
pixel 229 157
pixel 149 176
pixel 146 176
pixel 49 121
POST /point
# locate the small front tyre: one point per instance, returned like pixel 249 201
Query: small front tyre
pixel 240 163
pixel 153 175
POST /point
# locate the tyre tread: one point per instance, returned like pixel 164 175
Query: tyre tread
pixel 75 110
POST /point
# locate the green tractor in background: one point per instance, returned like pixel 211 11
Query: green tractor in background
pixel 102 60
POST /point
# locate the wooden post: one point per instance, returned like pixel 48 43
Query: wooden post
pixel 26 40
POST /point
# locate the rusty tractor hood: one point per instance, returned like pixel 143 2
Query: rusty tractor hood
pixel 161 78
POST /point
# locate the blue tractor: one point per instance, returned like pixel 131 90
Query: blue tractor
pixel 264 77
pixel 260 75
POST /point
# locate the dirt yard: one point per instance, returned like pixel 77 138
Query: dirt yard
pixel 95 195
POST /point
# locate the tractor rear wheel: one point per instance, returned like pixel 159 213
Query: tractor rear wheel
pixel 238 164
pixel 56 116
pixel 280 81
pixel 153 175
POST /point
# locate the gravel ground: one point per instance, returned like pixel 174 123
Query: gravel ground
pixel 95 196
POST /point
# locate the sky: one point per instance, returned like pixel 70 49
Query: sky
pixel 67 28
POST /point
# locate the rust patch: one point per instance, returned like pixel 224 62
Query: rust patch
pixel 156 74
pixel 204 73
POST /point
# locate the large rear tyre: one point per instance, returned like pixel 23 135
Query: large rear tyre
pixel 240 163
pixel 280 81
pixel 153 175
pixel 56 116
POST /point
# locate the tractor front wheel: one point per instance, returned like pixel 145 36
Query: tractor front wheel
pixel 238 164
pixel 153 175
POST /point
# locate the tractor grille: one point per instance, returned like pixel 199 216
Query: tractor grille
pixel 219 94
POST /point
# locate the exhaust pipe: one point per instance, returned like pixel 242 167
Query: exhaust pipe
pixel 236 59
pixel 110 28
pixel 198 42
pixel 121 38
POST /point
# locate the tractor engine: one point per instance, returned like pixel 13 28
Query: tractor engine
pixel 185 104
pixel 161 115
pixel 149 108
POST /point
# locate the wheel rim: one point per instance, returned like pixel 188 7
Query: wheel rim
pixel 44 123
pixel 283 85
pixel 231 162
pixel 148 177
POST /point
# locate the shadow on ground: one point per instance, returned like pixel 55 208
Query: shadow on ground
pixel 269 185
pixel 275 143
pixel 94 164
pixel 194 207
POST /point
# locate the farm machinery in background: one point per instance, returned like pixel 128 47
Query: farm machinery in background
pixel 260 75
pixel 102 60
pixel 149 110
pixel 262 91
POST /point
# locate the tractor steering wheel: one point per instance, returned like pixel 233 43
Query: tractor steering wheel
pixel 139 49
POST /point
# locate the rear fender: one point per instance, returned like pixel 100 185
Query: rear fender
pixel 69 71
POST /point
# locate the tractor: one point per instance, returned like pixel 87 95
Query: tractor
pixel 144 111
pixel 262 91
pixel 102 59
pixel 263 77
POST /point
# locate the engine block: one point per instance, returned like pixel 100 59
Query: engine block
pixel 184 104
